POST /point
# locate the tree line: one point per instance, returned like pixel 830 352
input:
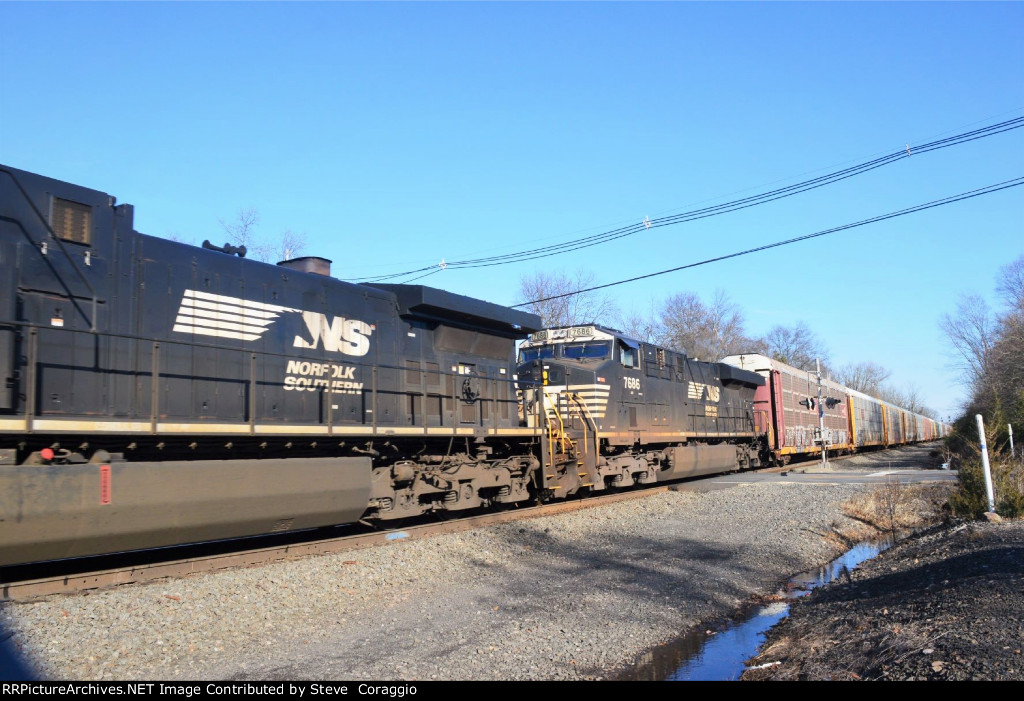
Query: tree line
pixel 988 347
pixel 704 329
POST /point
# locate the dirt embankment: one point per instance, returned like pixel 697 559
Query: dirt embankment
pixel 945 604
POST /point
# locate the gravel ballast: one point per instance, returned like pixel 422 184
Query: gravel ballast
pixel 574 596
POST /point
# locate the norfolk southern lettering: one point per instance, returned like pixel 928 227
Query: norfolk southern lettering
pixel 303 375
pixel 207 314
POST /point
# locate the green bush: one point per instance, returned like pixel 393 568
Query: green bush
pixel 970 499
pixel 1009 488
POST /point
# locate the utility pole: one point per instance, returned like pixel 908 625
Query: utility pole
pixel 821 416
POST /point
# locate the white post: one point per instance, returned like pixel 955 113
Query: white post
pixel 821 416
pixel 1012 454
pixel 984 462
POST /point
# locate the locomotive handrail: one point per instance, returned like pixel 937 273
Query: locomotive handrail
pixel 60 245
pixel 155 388
pixel 213 346
pixel 494 403
pixel 561 426
pixel 588 425
pixel 30 390
pixel 154 373
pixel 549 429
pixel 252 393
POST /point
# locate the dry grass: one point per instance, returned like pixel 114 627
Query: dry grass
pixel 893 510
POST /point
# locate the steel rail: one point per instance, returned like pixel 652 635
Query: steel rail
pixel 28 589
pixel 139 573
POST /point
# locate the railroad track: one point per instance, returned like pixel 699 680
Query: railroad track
pixel 24 582
pixel 135 573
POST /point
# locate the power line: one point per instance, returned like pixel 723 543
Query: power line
pixel 770 196
pixel 436 269
pixel 1016 182
pixel 715 210
pixel 776 194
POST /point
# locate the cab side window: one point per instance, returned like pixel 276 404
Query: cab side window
pixel 627 356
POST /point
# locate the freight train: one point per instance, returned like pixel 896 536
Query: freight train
pixel 154 393
pixel 787 412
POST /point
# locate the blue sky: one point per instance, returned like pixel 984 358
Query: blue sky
pixel 395 135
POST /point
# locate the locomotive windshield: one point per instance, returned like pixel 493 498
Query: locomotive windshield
pixel 528 354
pixel 591 350
pixel 586 351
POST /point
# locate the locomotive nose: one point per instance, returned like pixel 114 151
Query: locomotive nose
pixel 530 373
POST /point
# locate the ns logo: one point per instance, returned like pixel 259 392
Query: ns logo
pixel 700 391
pixel 206 314
pixel 340 335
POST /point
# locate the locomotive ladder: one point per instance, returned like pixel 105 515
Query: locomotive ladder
pixel 570 454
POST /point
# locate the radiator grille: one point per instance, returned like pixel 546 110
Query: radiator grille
pixel 72 221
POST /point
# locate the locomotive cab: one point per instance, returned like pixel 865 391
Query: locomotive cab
pixel 578 365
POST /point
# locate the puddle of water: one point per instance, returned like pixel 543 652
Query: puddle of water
pixel 706 655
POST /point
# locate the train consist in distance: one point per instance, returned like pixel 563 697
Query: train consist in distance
pixel 787 413
pixel 154 393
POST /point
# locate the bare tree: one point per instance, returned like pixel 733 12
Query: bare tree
pixel 797 346
pixel 1010 284
pixel 912 400
pixel 242 232
pixel 556 297
pixel 708 332
pixel 643 326
pixel 178 238
pixel 971 331
pixel 289 245
pixel 1003 384
pixel 892 495
pixel 888 393
pixel 990 353
pixel 863 377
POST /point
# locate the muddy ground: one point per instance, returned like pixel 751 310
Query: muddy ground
pixel 946 604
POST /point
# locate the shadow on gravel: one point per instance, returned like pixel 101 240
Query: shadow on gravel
pixel 551 603
pixel 671 586
pixel 654 567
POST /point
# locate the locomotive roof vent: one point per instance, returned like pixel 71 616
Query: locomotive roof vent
pixel 308 264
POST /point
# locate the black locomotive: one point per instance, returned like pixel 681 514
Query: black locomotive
pixel 155 393
pixel 650 414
